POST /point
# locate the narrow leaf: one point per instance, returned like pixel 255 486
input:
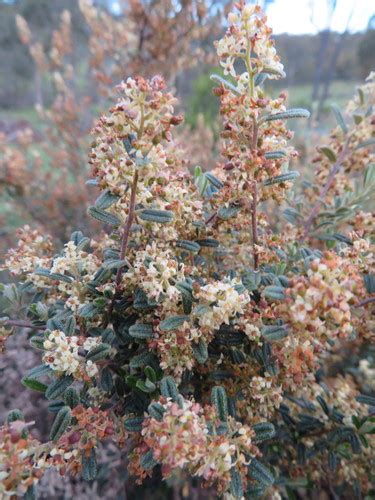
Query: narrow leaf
pixel 61 423
pixel 159 216
pixel 220 401
pixel 339 118
pixel 141 331
pixel 173 322
pixel 104 217
pixel 286 115
pixel 288 176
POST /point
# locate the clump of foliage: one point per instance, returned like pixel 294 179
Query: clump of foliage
pixel 205 344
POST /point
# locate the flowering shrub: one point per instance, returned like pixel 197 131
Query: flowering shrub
pixel 206 344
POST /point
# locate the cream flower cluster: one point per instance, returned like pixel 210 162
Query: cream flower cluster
pixel 321 302
pixel 62 354
pixel 33 250
pixel 186 438
pixel 131 137
pixel 223 303
pixel 248 36
pixel 156 271
pixel 81 267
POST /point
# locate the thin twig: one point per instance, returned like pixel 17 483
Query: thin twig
pixel 127 227
pixel 254 203
pixel 24 324
pixel 124 242
pixel 315 210
pixel 254 227
pixel 364 302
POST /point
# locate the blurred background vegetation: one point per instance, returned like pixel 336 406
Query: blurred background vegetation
pixel 321 67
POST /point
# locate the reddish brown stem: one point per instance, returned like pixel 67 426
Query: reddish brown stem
pixel 364 302
pixel 127 227
pixel 24 324
pixel 254 226
pixel 254 203
pixel 315 210
pixel 124 242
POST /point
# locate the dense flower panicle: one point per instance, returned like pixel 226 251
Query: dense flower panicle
pixel 224 302
pixel 156 272
pixel 62 354
pixel 248 35
pixel 358 152
pixel 143 112
pixel 185 437
pixel 33 250
pixel 321 301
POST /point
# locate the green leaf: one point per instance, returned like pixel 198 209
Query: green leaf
pixel 58 387
pixel 361 96
pixel 106 380
pixel 156 411
pixel 150 373
pixel 98 352
pixel 134 424
pixel 142 359
pixel 329 153
pixel 189 246
pixel 61 423
pixel 214 180
pixel 288 176
pixel 260 78
pixel 200 351
pixel 369 282
pixel 147 461
pixel 105 200
pixel 201 182
pixel 264 431
pixel 168 388
pixel 71 397
pixel 15 415
pixel 70 325
pixel 369 176
pixel 274 332
pixel 286 115
pixel 366 144
pixel 366 400
pixel 105 217
pixel 226 213
pixel 39 371
pixel 173 322
pixel 275 155
pixel 89 465
pixel 260 473
pixel 186 289
pixel 114 264
pixel 208 242
pixel 141 331
pixel 220 401
pixel 339 118
pixel 37 341
pixel 31 493
pixel 224 82
pixel 273 71
pixel 145 386
pixel 236 488
pixel 88 311
pixel 274 292
pixel 159 216
pixel 33 384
